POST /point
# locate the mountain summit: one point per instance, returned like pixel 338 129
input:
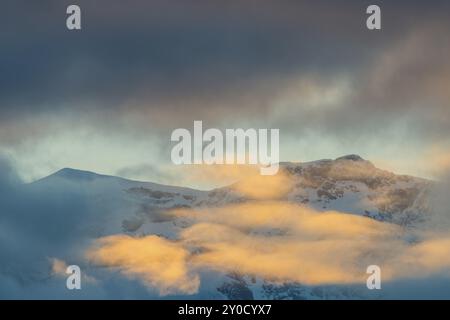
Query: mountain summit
pixel 75 174
pixel 352 157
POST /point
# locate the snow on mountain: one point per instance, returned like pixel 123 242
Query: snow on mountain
pixel 122 205
pixel 349 184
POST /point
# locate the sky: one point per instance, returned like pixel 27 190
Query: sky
pixel 106 98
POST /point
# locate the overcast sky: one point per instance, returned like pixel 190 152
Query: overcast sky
pixel 107 98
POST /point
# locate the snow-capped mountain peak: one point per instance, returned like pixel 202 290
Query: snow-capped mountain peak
pixel 348 184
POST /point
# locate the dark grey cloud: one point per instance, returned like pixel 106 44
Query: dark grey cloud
pixel 158 54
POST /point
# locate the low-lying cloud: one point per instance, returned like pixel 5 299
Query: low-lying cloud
pixel 158 262
pixel 283 242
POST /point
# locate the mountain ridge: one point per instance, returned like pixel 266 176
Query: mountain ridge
pixel 87 175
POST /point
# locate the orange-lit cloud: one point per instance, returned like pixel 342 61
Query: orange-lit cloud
pixel 275 241
pixel 287 242
pixel 285 258
pixel 438 158
pixel 431 256
pixel 245 179
pixel 292 218
pixel 59 268
pixel 264 187
pixel 209 176
pixel 160 263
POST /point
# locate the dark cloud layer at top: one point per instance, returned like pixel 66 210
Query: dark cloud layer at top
pixel 168 50
pixel 156 50
pixel 150 65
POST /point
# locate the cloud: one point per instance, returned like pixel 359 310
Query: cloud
pixel 284 242
pixel 36 224
pixel 59 268
pixel 300 220
pixel 197 56
pixel 264 187
pixel 281 259
pixel 158 262
pixel 311 69
pixel 437 157
pixel 430 257
pixel 148 172
pixel 203 176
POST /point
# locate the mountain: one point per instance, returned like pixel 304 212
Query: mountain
pixel 350 184
pixel 355 185
pixel 88 178
pixel 347 184
pixel 121 205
